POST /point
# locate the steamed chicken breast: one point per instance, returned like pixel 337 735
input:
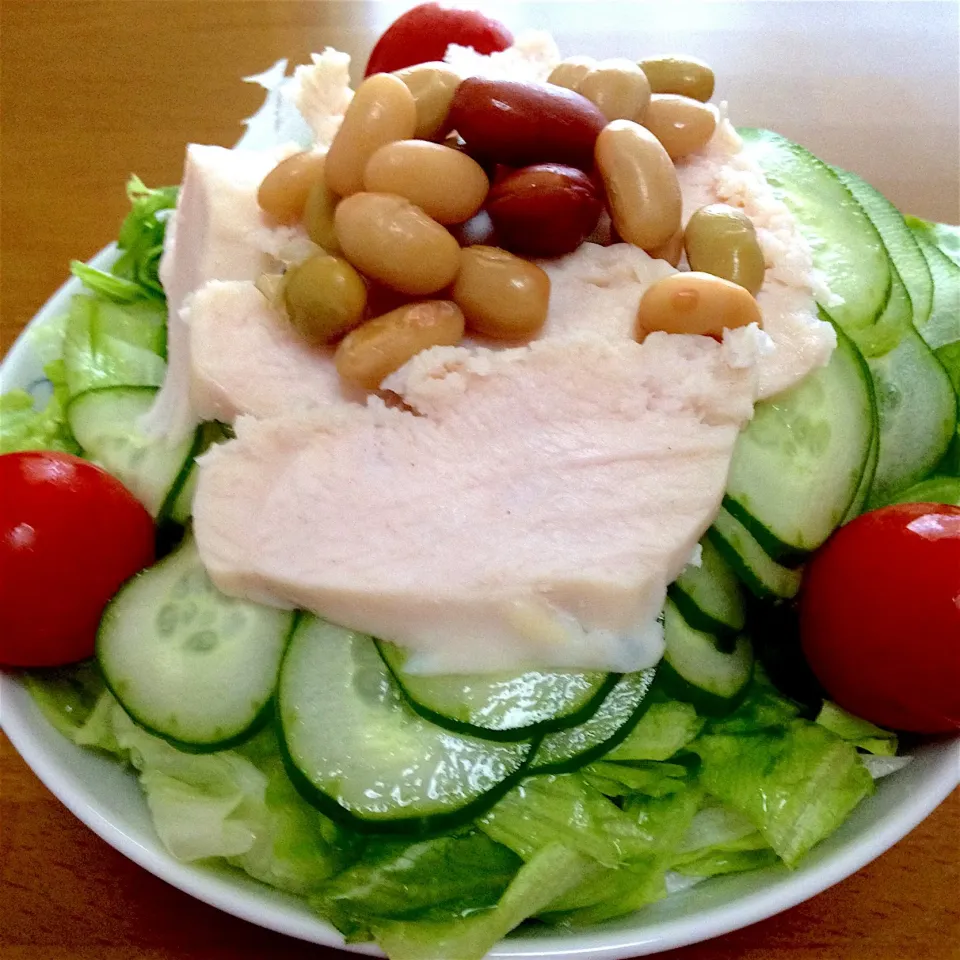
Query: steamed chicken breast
pixel 245 360
pixel 526 506
pixel 218 231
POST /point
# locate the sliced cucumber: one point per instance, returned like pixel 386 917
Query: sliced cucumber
pixel 179 502
pixel 763 576
pixel 846 246
pixel 709 596
pixel 866 480
pixel 500 707
pixel 185 661
pixel 941 332
pixel 918 415
pixel 694 669
pixel 909 383
pixel 934 490
pixel 358 753
pixel 913 393
pixel 797 466
pixel 106 425
pixel 566 750
pixel 902 246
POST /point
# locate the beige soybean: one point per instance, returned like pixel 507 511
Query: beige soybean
pixel 501 295
pixel 318 215
pixel 382 110
pixel 686 76
pixel 324 297
pixel 683 125
pixel 697 303
pixel 570 72
pixel 641 184
pixel 446 184
pixel 369 354
pixel 721 240
pixel 283 191
pixel 433 86
pixel 394 242
pixel 618 88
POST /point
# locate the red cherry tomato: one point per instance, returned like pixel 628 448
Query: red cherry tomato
pixel 423 34
pixel 880 617
pixel 70 534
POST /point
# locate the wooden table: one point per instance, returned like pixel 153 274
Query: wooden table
pixel 92 91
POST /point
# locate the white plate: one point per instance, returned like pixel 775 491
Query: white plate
pixel 108 800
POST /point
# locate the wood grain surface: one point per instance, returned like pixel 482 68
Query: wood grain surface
pixel 93 91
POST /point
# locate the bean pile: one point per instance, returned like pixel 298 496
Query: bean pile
pixel 436 190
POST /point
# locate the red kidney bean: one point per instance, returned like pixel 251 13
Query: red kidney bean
pixel 545 210
pixel 519 124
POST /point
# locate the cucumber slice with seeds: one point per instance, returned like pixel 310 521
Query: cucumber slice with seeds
pixel 356 751
pixel 185 661
pixel 106 425
pixel 797 466
pixel 500 707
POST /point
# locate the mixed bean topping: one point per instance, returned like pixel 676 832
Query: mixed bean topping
pixel 436 190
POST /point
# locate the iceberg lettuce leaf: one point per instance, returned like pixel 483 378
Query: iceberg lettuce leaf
pixel 25 426
pixel 666 727
pixel 564 809
pixel 796 785
pixel 662 822
pixel 861 733
pixel 109 344
pixel 440 879
pixel 551 871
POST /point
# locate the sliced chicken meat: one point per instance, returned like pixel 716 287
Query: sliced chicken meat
pixel 523 507
pixel 245 358
pixel 217 232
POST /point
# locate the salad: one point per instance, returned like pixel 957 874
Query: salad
pixel 500 494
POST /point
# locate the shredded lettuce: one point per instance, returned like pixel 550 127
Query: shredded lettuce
pixel 442 878
pixel 563 809
pixel 109 344
pixel 549 873
pixel 719 841
pixel 667 727
pixel 744 792
pixel 861 733
pixel 114 335
pixel 235 804
pixel 134 275
pixel 27 423
pixel 659 824
pixel 67 696
pixel 795 785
